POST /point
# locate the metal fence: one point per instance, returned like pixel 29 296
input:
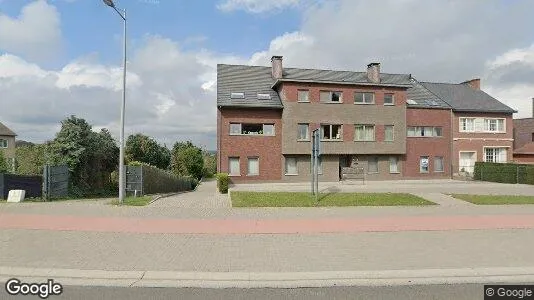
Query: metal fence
pixel 32 185
pixel 55 181
pixel 134 180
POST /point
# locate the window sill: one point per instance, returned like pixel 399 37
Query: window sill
pixel 230 175
pixel 394 172
pixel 340 140
pixel 424 172
pixel 364 103
pixel 370 141
pixel 439 171
pixel 303 140
pixel 253 175
pixel 389 104
pixel 373 173
pixel 303 101
pixel 257 135
pixel 291 174
pixel 331 102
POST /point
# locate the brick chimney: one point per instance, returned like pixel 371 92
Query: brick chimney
pixel 277 68
pixel 373 72
pixel 473 83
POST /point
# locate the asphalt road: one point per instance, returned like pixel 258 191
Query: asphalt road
pixel 458 292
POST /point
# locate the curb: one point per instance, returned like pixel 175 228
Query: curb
pixel 269 280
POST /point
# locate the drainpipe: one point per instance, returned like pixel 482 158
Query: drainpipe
pixel 452 145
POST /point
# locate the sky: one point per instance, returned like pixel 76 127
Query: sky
pixel 63 57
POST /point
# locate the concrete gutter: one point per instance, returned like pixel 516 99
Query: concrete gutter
pixel 269 280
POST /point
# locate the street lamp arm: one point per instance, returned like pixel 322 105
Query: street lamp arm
pixel 123 15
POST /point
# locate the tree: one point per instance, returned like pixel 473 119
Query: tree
pixel 187 160
pixel 30 159
pixel 210 164
pixel 142 148
pixel 4 168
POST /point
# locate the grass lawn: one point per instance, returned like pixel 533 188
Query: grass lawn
pixel 495 199
pixel 289 199
pixel 133 201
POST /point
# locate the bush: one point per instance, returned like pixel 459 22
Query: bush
pixel 504 172
pixel 222 182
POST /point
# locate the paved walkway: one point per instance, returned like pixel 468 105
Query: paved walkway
pixel 204 197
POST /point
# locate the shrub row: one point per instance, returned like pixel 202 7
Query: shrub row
pixel 504 172
pixel 157 181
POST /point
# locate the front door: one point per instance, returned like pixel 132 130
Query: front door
pixel 467 162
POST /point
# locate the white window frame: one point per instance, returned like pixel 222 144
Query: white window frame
pixel 340 132
pixel 396 169
pixel 286 160
pixel 462 119
pixel 499 157
pixel 364 127
pixel 364 98
pixel 230 165
pixel 237 95
pixel 330 96
pixel 417 131
pixel 392 133
pixel 4 143
pixel 421 164
pixel 392 99
pixel 248 165
pixel 307 138
pixel 262 129
pixel 442 164
pixel 486 126
pixel 307 96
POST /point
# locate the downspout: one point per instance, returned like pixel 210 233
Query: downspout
pixel 452 145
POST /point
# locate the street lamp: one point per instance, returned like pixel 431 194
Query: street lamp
pixel 121 143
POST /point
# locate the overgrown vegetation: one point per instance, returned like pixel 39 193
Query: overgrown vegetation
pixel 144 149
pixel 3 163
pixel 157 181
pixel 187 160
pixel 223 180
pixel 300 199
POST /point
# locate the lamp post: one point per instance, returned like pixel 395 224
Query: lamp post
pixel 121 138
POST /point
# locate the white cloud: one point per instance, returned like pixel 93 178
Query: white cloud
pixel 35 33
pixel 256 6
pixel 521 55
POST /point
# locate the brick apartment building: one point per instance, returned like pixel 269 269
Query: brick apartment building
pixel 392 125
pixel 524 139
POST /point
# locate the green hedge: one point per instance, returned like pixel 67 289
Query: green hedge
pixel 157 181
pixel 222 182
pixel 504 172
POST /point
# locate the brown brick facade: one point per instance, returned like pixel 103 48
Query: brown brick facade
pixel 523 132
pixel 431 147
pixel 266 148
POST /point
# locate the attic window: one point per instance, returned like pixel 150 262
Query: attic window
pixel 237 95
pixel 264 96
pixel 410 101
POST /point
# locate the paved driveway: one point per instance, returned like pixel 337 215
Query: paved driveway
pixel 204 197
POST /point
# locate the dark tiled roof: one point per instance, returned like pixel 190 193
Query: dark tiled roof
pixel 6 131
pixel 248 79
pixel 343 76
pixel 461 97
pixel 420 97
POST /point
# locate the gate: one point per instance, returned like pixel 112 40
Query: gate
pixel 55 181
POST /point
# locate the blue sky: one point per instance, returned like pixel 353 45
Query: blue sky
pixel 89 26
pixel 63 57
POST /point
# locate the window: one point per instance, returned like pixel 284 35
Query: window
pixel 495 155
pixel 303 133
pixel 264 96
pixel 253 166
pixel 237 95
pixel 303 96
pixel 424 131
pixel 389 99
pixel 251 129
pixel 291 166
pixel 364 98
pixel 494 125
pixel 372 165
pixel 423 164
pixel 467 124
pixel 3 143
pixel 327 96
pixel 331 132
pixel 364 133
pixel 233 166
pixel 393 164
pixel 388 133
pixel 268 129
pixel 438 164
